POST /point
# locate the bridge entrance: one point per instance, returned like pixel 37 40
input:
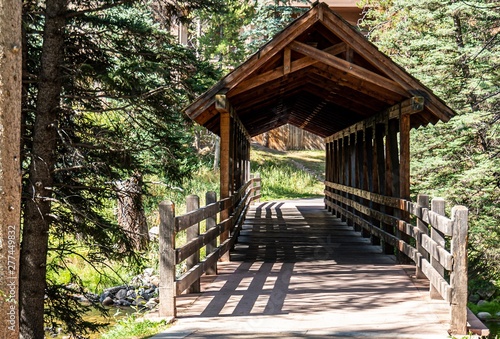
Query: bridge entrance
pixel 322 75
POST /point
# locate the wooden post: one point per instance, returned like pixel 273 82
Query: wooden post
pixel 193 232
pixel 353 175
pixel 423 202
pixel 458 277
pixel 167 260
pixel 10 164
pixel 392 177
pixel 211 222
pixel 225 177
pixel 368 170
pixel 437 206
pixel 404 167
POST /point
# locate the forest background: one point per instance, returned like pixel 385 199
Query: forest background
pixel 104 84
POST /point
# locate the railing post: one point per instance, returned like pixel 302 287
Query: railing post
pixel 167 259
pixel 422 202
pixel 192 204
pixel 257 192
pixel 458 277
pixel 437 206
pixel 211 197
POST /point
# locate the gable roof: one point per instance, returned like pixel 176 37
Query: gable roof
pixel 319 74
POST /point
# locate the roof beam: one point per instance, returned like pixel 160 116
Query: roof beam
pixel 346 80
pixel 370 52
pixel 347 67
pixel 281 71
pixel 253 63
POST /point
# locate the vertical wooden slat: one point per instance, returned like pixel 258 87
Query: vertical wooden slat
pixel 458 277
pixel 211 222
pixel 404 168
pixel 391 173
pixel 380 132
pixel 225 176
pixel 192 204
pixel 437 206
pixel 423 202
pixel 347 171
pixel 167 259
pixel 354 173
pixel 327 172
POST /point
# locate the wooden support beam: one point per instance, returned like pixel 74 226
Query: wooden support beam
pixel 287 60
pixel 347 67
pixel 278 72
pixel 370 52
pixel 225 175
pixel 404 145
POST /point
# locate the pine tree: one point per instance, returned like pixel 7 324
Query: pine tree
pixel 103 94
pixel 454 48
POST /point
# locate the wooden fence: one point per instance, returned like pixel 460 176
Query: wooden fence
pixel 439 245
pixel 170 256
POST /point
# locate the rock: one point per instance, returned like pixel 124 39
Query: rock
pixel 131 294
pixel 484 315
pixel 123 302
pixel 474 298
pixel 151 304
pixel 481 302
pixel 149 272
pixel 107 301
pixel 113 290
pixel 155 281
pixel 121 294
pixel 103 296
pixel 146 296
pixel 154 232
pixel 139 302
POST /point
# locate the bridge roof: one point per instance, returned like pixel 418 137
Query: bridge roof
pixel 320 74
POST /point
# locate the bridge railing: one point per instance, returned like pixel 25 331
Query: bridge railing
pixel 172 285
pixel 436 243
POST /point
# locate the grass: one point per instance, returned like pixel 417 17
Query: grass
pixel 132 327
pixel 289 175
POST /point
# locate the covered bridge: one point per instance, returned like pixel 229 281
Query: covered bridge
pixel 322 75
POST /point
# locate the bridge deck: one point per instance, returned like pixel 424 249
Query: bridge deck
pixel 299 272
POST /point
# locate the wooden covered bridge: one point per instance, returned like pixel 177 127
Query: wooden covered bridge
pixel 324 76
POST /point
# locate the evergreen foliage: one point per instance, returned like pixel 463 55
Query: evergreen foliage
pixel 453 47
pixel 123 83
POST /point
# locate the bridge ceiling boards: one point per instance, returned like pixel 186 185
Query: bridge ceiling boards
pixel 319 74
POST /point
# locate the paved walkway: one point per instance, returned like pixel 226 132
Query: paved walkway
pixel 298 272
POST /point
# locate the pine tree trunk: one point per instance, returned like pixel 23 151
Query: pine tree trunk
pixel 10 171
pixel 131 215
pixel 38 206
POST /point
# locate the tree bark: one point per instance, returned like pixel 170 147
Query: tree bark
pixel 10 171
pixel 131 215
pixel 40 180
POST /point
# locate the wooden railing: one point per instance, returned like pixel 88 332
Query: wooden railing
pixel 439 248
pixel 170 256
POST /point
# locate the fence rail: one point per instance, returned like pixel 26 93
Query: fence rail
pixel 170 256
pixel 439 248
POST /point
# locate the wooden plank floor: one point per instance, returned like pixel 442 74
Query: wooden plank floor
pixel 298 272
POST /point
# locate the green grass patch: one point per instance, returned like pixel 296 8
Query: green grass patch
pixel 283 178
pixel 132 327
